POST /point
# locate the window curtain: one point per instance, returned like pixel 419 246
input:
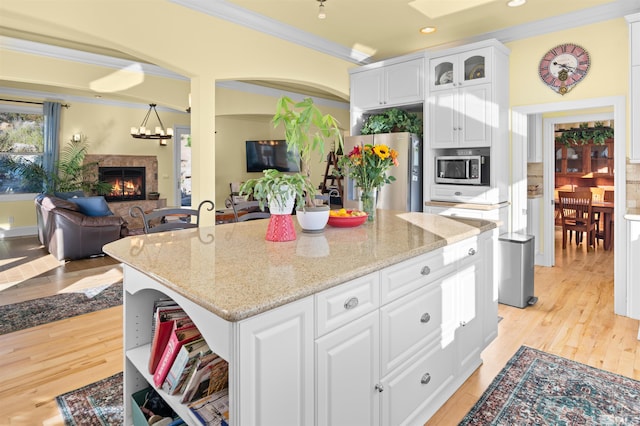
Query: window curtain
pixel 51 111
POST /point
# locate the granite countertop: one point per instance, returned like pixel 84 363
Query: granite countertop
pixel 633 214
pixel 232 271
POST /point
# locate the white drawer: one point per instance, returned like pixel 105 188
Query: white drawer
pixel 341 304
pixel 409 324
pixel 407 276
pixel 464 193
pixel 416 385
pixel 461 251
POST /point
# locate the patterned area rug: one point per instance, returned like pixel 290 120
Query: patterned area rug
pixel 99 403
pixel 537 388
pixel 35 312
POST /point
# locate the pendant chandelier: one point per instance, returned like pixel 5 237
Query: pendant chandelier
pixel 144 132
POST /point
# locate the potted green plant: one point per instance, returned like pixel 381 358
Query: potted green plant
pixel 392 120
pixel 73 174
pixel 279 190
pixel 308 130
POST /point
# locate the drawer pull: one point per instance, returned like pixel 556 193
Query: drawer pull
pixel 425 270
pixel 472 251
pixel 458 193
pixel 351 303
pixel 426 378
pixel 379 387
pixel 425 318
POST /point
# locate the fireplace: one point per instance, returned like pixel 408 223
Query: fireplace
pixel 127 183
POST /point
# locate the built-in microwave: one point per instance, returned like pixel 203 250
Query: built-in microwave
pixel 462 169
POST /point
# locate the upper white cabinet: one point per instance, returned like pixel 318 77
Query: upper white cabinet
pixel 461 117
pixel 401 83
pixel 634 83
pixel 463 95
pixel 463 69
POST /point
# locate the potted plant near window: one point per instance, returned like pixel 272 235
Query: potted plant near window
pixel 308 130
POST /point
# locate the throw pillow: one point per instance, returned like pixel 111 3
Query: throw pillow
pixel 92 206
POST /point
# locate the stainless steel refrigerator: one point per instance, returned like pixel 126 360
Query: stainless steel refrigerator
pixel 405 193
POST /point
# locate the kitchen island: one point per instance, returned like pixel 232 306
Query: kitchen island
pixel 377 324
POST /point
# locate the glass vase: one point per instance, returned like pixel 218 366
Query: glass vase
pixel 368 203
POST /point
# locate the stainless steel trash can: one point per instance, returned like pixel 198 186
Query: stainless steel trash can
pixel 516 255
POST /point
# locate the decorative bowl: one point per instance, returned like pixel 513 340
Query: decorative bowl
pixel 347 221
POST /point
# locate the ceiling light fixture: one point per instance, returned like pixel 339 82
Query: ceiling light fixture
pixel 143 132
pixel 516 3
pixel 428 30
pixel 321 13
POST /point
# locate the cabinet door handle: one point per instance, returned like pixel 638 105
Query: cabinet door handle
pixel 472 251
pixel 379 387
pixel 425 270
pixel 426 378
pixel 425 318
pixel 351 303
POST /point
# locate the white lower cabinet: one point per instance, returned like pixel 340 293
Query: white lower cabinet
pixel 388 348
pixel 408 356
pixel 348 361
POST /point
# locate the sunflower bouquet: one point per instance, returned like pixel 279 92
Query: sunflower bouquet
pixel 368 165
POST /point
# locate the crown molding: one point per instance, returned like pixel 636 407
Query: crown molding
pixel 592 15
pixel 56 52
pixel 238 15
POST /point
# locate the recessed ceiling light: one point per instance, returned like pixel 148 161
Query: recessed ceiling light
pixel 428 30
pixel 516 3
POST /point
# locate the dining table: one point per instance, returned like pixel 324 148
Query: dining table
pixel 605 208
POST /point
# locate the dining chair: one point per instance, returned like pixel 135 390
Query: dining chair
pixel 600 234
pixel 170 218
pixel 248 210
pixel 576 215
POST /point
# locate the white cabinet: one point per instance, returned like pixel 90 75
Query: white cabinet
pixel 348 364
pixel 388 85
pixel 276 365
pixel 387 348
pixel 461 117
pixel 633 277
pixel 461 69
pixel 397 364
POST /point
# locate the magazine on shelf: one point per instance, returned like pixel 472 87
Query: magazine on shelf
pixel 213 409
pixel 165 318
pixel 179 337
pixel 198 385
pixel 187 356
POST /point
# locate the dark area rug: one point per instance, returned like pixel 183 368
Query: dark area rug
pixel 35 312
pixel 99 403
pixel 537 388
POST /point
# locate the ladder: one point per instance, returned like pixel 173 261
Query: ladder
pixel 330 180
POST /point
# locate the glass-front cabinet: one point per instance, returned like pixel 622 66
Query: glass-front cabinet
pixel 588 159
pixel 461 69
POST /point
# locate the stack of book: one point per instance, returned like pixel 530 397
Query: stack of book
pixel 182 363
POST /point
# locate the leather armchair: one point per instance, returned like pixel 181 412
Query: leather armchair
pixel 69 234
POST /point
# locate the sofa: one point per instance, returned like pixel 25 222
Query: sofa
pixel 69 230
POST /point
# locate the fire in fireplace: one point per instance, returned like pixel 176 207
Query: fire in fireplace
pixel 127 183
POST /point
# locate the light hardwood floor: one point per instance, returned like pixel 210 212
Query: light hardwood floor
pixel 573 318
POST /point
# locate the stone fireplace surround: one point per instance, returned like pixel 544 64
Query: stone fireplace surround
pixel 150 163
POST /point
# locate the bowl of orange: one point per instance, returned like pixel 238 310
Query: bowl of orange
pixel 343 218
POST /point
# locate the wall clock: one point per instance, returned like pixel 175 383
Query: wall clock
pixel 564 66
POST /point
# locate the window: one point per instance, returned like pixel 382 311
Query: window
pixel 22 140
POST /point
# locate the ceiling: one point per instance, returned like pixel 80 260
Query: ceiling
pixel 380 29
pixel 388 28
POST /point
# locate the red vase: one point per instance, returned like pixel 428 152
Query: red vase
pixel 280 228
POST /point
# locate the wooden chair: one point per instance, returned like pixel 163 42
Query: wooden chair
pixel 179 218
pixel 576 215
pixel 608 197
pixel 248 210
pixel 597 195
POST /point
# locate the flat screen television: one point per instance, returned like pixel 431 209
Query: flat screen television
pixel 271 154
